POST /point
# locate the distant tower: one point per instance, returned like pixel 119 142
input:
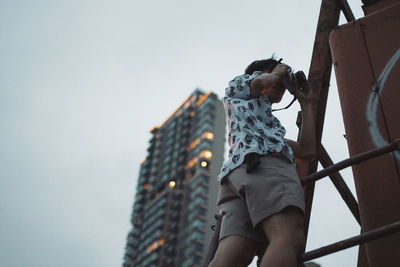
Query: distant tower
pixel 177 187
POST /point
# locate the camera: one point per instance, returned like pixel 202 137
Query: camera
pixel 296 81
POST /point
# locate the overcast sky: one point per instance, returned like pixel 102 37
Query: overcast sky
pixel 81 84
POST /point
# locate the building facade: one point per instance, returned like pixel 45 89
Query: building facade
pixel 177 187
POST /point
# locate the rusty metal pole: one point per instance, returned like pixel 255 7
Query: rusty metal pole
pixel 356 159
pixel 350 242
pixel 344 6
pixel 319 77
pixel 340 184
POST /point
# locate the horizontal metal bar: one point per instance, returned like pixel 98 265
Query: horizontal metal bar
pixel 340 184
pixel 350 242
pixel 395 145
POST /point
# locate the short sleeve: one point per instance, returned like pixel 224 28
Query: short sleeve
pixel 239 87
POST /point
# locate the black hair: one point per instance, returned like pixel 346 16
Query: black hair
pixel 262 65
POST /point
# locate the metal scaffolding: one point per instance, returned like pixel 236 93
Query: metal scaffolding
pixel 319 80
pixel 331 171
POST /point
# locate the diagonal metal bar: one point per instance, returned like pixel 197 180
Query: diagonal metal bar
pixel 351 242
pixel 395 145
pixel 340 184
pixel 344 6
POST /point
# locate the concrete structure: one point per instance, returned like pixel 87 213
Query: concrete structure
pixel 177 187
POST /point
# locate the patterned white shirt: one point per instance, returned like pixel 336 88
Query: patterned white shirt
pixel 252 127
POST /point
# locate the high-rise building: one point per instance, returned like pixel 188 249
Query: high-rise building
pixel 177 187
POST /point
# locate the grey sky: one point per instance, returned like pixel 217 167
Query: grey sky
pixel 83 82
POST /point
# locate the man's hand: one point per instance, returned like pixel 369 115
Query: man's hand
pixel 282 70
pixel 306 148
pixel 264 82
pixel 305 96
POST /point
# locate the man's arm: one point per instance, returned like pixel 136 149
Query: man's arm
pixel 266 81
pixel 306 148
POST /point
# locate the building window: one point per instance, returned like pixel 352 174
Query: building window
pixel 155 245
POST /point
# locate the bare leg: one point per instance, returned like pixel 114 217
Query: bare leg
pixel 285 232
pixel 234 251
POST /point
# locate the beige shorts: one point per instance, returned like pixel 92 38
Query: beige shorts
pixel 248 198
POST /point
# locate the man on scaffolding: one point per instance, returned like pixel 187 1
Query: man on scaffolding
pixel 260 195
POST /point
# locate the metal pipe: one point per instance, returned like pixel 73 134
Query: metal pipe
pixel 395 145
pixel 340 184
pixel 350 242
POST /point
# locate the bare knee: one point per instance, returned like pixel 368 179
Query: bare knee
pixel 294 240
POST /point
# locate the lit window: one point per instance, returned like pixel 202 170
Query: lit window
pixel 206 154
pixel 155 245
pixel 171 184
pixel 208 135
pixel 191 162
pixel 202 98
pixel 194 143
pixel 146 186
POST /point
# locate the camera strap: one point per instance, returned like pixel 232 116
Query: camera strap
pixel 294 99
